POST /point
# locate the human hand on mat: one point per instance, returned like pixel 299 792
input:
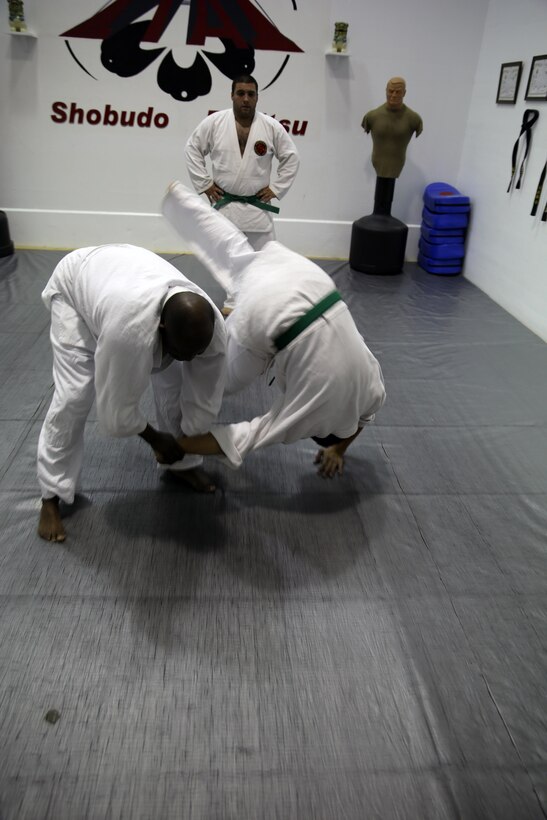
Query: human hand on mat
pixel 331 462
pixel 331 459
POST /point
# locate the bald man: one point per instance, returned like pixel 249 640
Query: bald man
pixel 121 317
pixel 391 126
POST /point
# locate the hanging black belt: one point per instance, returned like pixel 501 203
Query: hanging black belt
pixel 529 119
pixel 306 320
pixel 250 200
pixel 537 197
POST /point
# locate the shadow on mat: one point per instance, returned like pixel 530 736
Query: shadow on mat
pixel 174 516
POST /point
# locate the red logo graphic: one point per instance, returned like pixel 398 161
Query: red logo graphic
pixel 241 27
pixel 260 148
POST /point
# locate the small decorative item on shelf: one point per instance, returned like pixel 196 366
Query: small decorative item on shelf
pixel 16 15
pixel 340 41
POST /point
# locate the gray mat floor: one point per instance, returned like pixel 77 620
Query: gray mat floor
pixel 369 647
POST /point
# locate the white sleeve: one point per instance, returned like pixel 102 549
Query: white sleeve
pixel 122 374
pixel 236 440
pixel 284 423
pixel 196 149
pixel 376 395
pixel 203 381
pixel 289 162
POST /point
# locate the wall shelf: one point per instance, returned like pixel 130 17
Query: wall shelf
pixel 25 33
pixel 331 53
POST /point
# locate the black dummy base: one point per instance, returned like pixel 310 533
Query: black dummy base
pixel 378 244
pixel 378 241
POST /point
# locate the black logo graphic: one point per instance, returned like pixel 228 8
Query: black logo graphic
pixel 241 27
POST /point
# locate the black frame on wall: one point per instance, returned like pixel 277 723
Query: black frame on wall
pixel 537 79
pixel 509 82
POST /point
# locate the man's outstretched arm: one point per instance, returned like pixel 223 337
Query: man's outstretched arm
pixel 204 445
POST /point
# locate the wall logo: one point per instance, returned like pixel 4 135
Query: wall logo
pixel 242 27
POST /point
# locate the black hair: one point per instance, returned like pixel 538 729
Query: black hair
pixel 244 78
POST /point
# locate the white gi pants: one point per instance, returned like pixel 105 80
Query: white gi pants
pixel 61 442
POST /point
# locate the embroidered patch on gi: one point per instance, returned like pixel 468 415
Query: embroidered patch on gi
pixel 260 148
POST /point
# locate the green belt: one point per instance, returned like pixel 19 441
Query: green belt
pixel 250 200
pixel 306 320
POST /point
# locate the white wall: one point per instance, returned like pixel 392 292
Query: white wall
pixel 507 248
pixel 70 185
pixel 67 185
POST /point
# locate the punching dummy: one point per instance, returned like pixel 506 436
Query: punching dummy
pixel 391 127
pixel 378 245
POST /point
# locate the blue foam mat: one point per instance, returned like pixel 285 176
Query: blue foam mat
pixel 431 233
pixel 441 251
pixel 444 220
pixel 440 197
pixel 442 237
pixel 434 266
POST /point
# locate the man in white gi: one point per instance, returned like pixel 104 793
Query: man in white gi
pixel 120 314
pixel 241 143
pixel 289 316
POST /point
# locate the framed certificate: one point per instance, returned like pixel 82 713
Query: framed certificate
pixel 537 80
pixel 508 86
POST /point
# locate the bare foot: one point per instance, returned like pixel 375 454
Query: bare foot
pixel 50 525
pixel 195 478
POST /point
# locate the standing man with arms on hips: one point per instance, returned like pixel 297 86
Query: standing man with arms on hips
pixel 241 143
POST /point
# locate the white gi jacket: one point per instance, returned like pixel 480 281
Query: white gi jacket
pixel 245 175
pixel 330 382
pixel 113 297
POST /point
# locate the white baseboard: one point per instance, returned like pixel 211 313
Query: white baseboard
pixel 322 239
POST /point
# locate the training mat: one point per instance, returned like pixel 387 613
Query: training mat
pixel 289 648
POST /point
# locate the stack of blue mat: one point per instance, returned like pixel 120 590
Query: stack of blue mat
pixel 444 223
